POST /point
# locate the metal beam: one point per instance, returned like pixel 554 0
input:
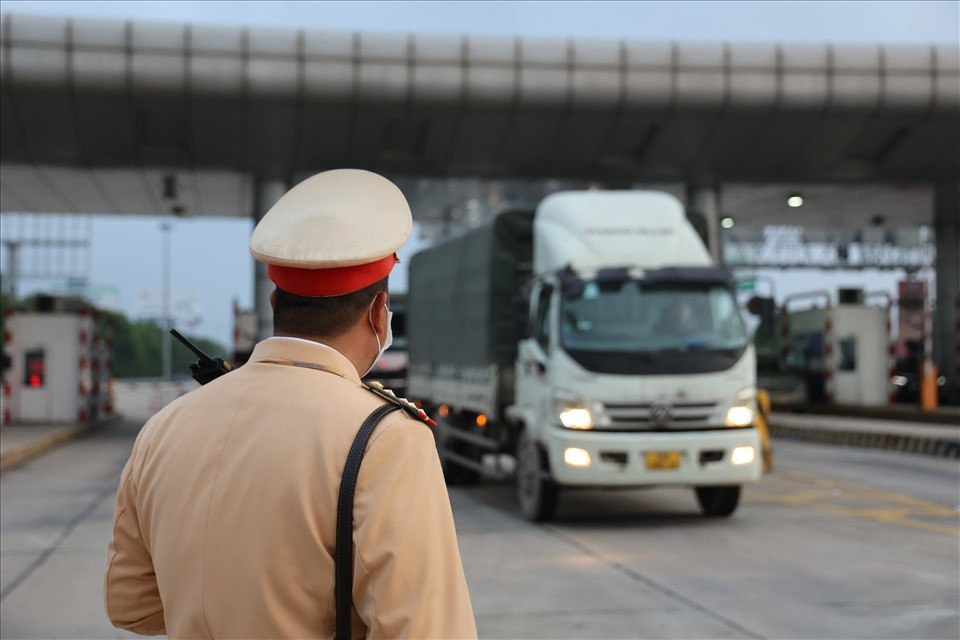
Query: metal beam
pixel 111 94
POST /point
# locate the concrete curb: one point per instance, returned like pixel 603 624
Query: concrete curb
pixel 924 445
pixel 19 455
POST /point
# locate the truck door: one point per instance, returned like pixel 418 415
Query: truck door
pixel 533 382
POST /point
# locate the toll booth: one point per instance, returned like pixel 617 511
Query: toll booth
pixel 60 366
pixel 843 352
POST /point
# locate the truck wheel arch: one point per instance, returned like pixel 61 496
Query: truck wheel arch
pixel 519 419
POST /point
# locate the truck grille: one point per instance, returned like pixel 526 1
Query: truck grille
pixel 651 417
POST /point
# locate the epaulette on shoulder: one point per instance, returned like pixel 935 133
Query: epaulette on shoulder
pixel 408 407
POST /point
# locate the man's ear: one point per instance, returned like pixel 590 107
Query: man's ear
pixel 378 312
pixel 273 299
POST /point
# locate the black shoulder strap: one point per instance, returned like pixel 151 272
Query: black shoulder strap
pixel 343 579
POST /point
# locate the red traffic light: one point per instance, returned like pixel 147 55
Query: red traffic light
pixel 34 368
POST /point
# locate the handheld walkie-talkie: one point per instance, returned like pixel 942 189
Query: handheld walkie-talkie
pixel 205 368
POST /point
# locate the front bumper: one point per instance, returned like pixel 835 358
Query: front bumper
pixel 619 459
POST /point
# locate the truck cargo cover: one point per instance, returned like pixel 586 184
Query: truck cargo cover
pixel 461 298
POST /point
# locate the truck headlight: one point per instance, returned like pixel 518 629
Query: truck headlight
pixel 739 416
pixel 743 408
pixel 576 418
pixel 576 414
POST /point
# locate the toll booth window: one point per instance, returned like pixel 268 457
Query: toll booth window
pixel 34 368
pixel 848 354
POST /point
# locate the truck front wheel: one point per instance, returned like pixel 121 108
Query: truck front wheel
pixel 537 493
pixel 718 501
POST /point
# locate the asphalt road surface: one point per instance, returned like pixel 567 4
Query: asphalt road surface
pixel 836 543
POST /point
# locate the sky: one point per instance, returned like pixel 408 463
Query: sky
pixel 913 21
pixel 210 261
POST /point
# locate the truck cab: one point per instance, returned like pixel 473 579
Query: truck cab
pixel 637 379
pixel 636 369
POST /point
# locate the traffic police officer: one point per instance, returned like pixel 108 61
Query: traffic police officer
pixel 224 525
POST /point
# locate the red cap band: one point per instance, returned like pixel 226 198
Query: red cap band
pixel 338 281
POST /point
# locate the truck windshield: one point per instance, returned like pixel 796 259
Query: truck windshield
pixel 632 327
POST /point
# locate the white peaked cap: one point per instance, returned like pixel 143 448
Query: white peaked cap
pixel 334 233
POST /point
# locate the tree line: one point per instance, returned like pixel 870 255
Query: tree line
pixel 137 349
pixel 137 344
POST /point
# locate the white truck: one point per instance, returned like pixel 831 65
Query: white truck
pixel 593 340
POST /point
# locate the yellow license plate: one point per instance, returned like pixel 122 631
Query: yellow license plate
pixel 663 460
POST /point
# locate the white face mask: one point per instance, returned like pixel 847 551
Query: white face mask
pixel 386 341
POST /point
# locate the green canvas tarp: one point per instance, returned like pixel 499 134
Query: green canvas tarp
pixel 461 300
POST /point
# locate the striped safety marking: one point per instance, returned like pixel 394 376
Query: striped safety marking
pixel 928 326
pixel 940 447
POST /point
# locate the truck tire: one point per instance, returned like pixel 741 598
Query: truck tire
pixel 537 493
pixel 718 501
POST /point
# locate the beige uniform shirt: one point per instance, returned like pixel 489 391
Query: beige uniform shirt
pixel 224 524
